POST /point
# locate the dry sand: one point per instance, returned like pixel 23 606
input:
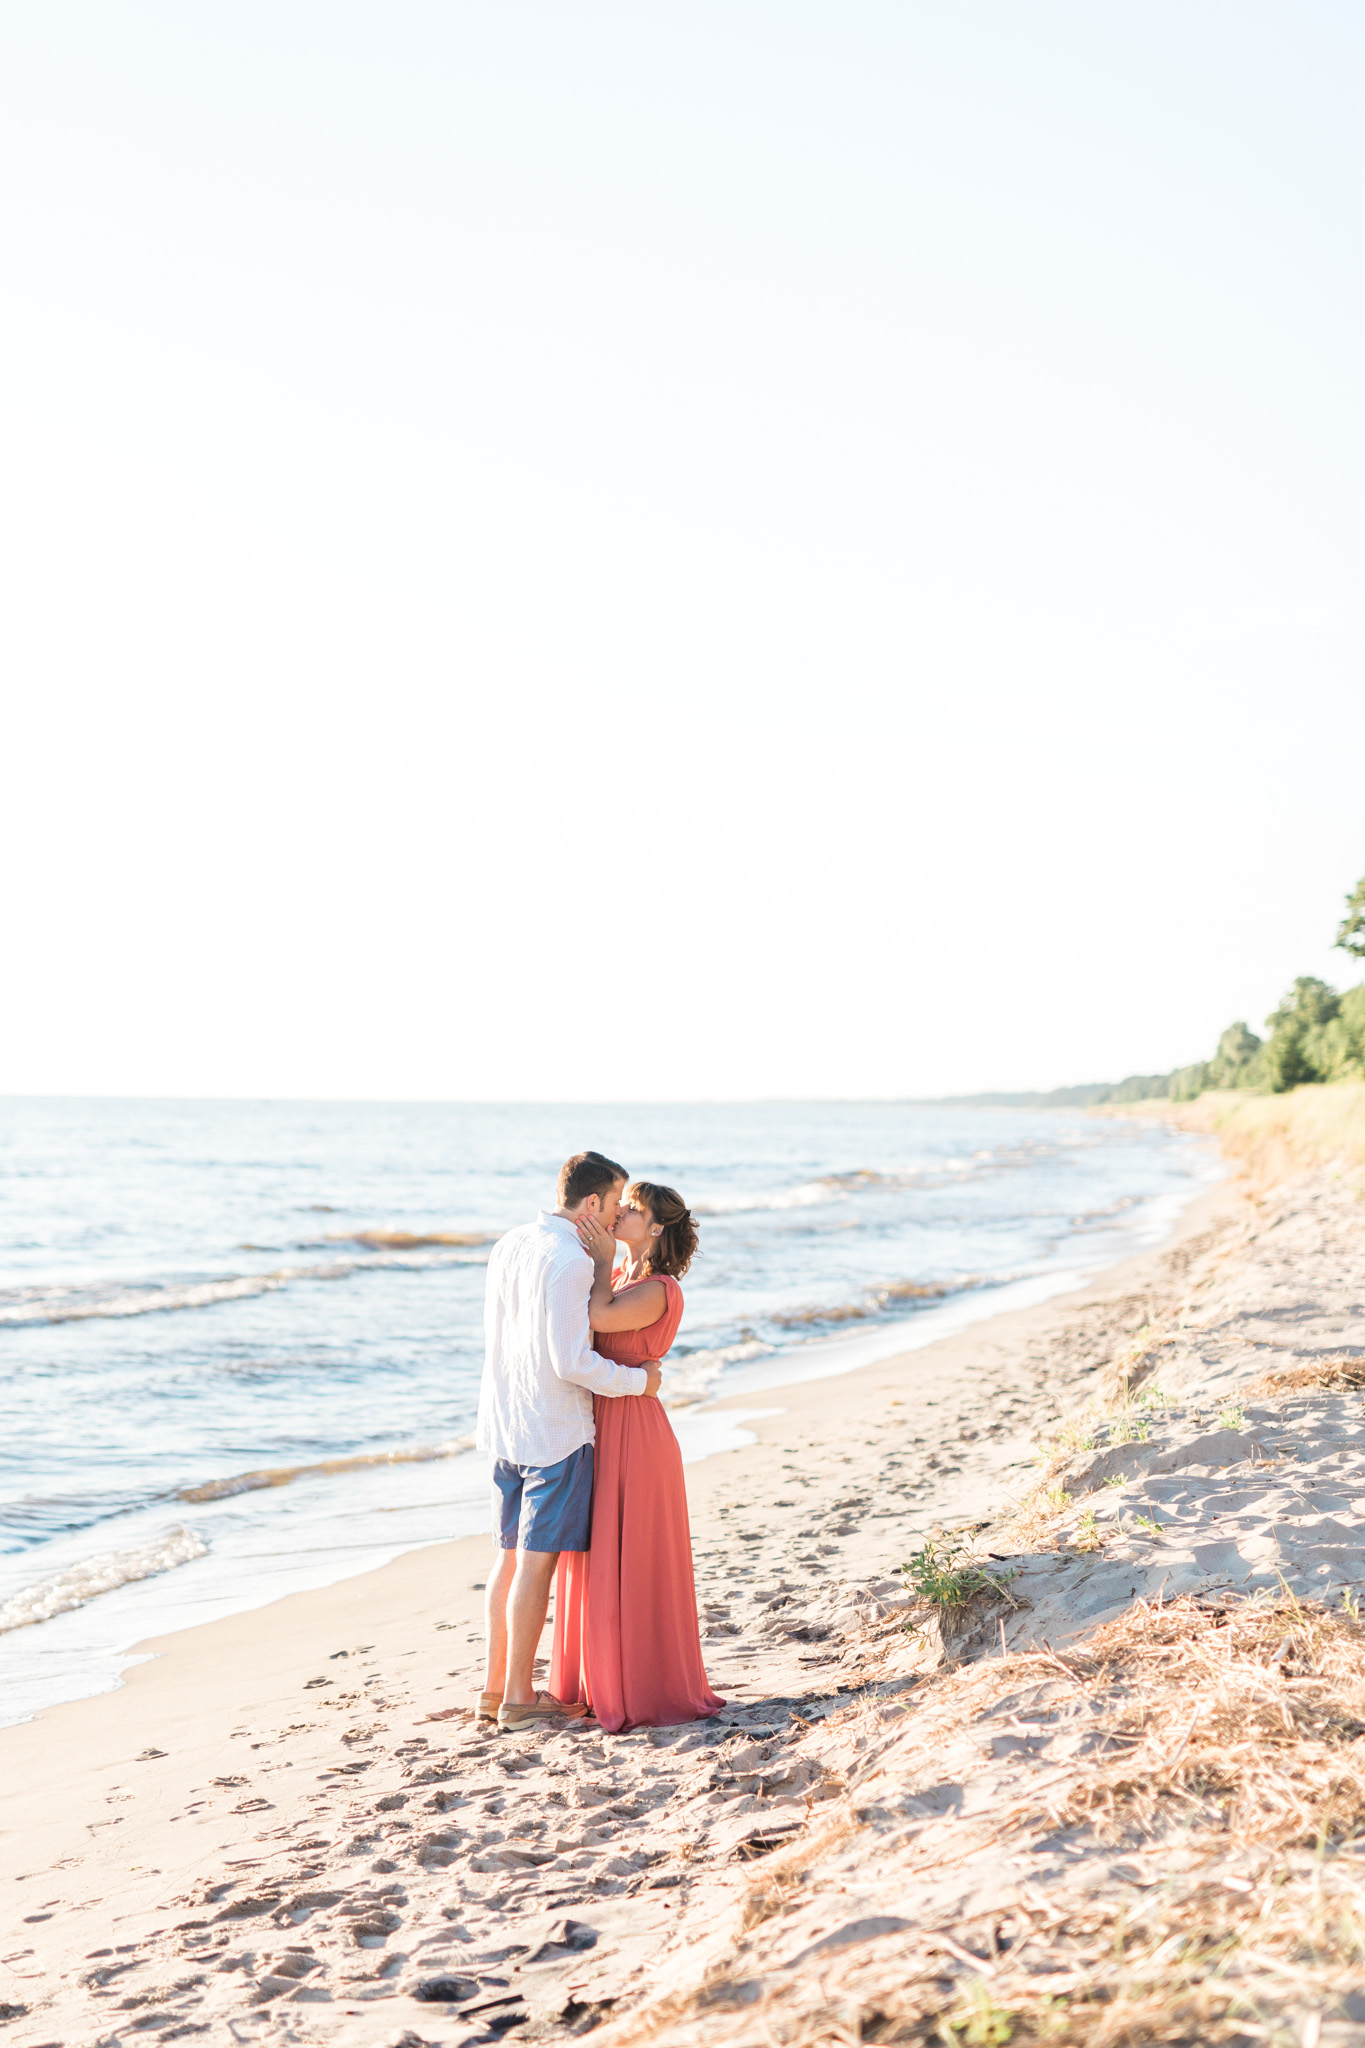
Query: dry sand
pixel 909 1823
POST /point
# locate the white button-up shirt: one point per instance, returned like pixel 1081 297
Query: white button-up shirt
pixel 540 1371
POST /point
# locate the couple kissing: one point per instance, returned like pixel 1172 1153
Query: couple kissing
pixel 587 1475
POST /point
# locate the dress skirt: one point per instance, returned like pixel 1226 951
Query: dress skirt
pixel 625 1638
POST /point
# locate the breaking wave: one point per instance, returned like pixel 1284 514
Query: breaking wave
pixel 410 1241
pixel 831 1187
pixel 1088 1217
pixel 395 1251
pixel 837 1187
pixel 877 1300
pixel 103 1573
pixel 283 1475
pixel 35 1516
pixel 690 1374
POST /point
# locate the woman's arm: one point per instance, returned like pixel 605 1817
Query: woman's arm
pixel 634 1308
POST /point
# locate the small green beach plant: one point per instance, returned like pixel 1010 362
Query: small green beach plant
pixel 946 1574
pixel 1232 1418
pixel 1034 1518
pixel 981 2023
pixel 1087 1531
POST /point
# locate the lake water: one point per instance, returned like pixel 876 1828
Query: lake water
pixel 240 1342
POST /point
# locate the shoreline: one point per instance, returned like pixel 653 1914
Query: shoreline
pixel 708 1427
pixel 125 1815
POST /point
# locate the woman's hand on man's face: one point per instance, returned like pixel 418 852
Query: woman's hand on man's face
pixel 596 1240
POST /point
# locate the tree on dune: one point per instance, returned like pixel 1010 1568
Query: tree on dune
pixel 1316 1034
pixel 1351 936
pixel 1294 1053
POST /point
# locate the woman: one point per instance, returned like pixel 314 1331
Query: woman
pixel 626 1613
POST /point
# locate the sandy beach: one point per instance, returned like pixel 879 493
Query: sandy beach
pixel 285 1824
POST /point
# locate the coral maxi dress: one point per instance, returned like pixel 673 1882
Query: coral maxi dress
pixel 625 1635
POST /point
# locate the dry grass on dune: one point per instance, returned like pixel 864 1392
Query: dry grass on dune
pixel 1333 1375
pixel 1322 1124
pixel 1252 1721
pixel 1223 1765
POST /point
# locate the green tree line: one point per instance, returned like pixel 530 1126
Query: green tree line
pixel 1316 1034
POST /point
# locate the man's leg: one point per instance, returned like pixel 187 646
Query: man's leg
pixel 527 1604
pixel 495 1621
pixel 555 1514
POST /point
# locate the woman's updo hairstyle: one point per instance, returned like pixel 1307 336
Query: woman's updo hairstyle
pixel 672 1251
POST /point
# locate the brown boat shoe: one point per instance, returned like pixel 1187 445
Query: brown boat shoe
pixel 544 1711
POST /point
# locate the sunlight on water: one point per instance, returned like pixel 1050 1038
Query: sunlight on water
pixel 242 1341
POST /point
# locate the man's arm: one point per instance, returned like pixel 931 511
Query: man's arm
pixel 570 1340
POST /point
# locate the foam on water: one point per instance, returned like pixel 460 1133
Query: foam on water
pixel 21 1306
pixel 285 1475
pixel 810 1195
pixel 103 1573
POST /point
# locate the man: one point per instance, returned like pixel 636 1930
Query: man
pixel 540 1373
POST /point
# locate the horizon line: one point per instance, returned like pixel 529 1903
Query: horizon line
pixel 961 1098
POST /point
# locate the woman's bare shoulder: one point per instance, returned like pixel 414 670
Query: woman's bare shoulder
pixel 632 1307
pixel 636 1288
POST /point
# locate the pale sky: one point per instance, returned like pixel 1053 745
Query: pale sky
pixel 697 550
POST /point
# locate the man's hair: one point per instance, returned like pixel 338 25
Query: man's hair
pixel 587 1173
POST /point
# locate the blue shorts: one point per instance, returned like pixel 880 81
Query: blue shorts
pixel 544 1507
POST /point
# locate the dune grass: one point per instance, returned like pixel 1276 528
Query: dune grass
pixel 1191 1874
pixel 1321 1124
pixel 1334 1375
